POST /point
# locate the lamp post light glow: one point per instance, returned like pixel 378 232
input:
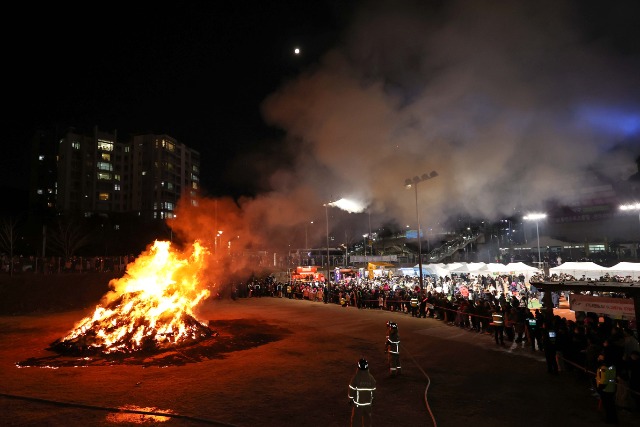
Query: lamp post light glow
pixel 413 182
pixel 536 217
pixel 216 241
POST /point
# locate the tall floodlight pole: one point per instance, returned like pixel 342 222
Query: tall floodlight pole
pixel 326 213
pixel 537 217
pixel 306 236
pixel 413 182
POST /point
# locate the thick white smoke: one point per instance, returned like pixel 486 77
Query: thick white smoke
pixel 490 94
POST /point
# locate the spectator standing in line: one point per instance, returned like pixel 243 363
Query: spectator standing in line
pixel 606 383
pixel 633 370
pixel 497 323
pixel 519 325
pixel 414 305
pixel 549 344
pixel 423 306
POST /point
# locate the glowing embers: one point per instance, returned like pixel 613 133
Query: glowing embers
pixel 150 308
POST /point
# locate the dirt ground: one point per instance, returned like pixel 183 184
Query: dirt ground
pixel 280 362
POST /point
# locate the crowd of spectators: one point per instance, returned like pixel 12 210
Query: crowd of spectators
pixel 471 303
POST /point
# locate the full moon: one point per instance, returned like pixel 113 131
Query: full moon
pixel 296 51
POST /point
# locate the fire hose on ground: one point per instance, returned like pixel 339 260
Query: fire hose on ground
pixel 426 390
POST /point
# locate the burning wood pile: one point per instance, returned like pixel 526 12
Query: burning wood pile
pixel 149 309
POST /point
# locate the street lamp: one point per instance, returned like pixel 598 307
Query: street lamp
pixel 215 249
pixel 346 255
pixel 306 237
pixel 364 244
pixel 326 214
pixel 413 182
pixel 536 217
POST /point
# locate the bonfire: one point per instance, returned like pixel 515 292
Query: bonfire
pixel 149 309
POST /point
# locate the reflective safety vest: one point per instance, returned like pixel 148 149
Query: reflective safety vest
pixel 606 376
pixel 414 302
pixel 498 320
pixel 392 345
pixel 361 389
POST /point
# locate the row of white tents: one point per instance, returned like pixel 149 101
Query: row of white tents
pixel 594 271
pixel 589 270
pixel 473 268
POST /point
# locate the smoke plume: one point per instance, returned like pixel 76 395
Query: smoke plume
pixel 512 103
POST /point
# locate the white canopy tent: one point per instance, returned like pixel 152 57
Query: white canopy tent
pixel 497 268
pixel 439 270
pixel 472 268
pixel 625 269
pixel 406 271
pixel 590 270
pixel 521 267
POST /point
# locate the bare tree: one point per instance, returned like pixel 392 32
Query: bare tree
pixel 67 237
pixel 8 238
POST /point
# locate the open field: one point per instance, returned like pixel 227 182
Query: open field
pixel 283 362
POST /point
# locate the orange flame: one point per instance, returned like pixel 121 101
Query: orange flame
pixel 151 305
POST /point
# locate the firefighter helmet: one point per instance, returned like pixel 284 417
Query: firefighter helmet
pixel 363 364
pixel 392 325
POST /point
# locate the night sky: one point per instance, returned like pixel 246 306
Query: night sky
pixel 511 102
pixel 197 71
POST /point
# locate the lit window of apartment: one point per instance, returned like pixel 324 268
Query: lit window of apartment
pixel 116 187
pixel 194 185
pixel 104 175
pixel 116 177
pixel 41 157
pixel 105 145
pixel 105 156
pixel 75 145
pixel 39 191
pixel 103 196
pixel 105 166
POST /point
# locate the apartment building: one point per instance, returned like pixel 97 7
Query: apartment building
pixel 144 176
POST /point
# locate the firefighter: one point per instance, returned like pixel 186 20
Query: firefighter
pixel 606 382
pixel 360 394
pixel 392 347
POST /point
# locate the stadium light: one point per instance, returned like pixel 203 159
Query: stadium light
pixel 536 217
pixel 413 182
